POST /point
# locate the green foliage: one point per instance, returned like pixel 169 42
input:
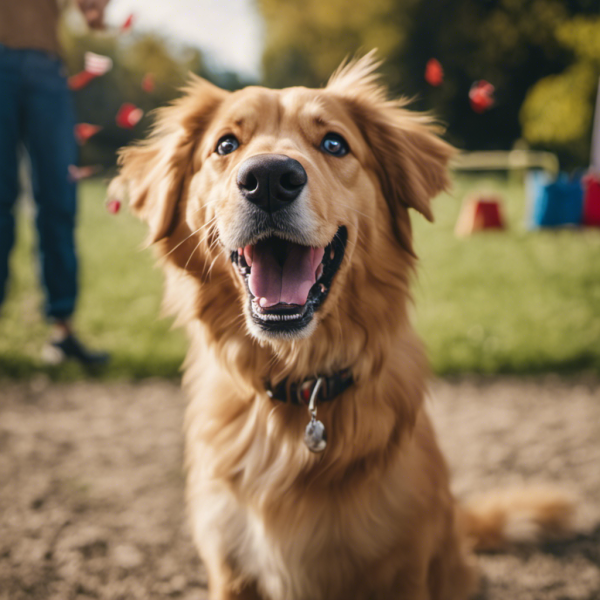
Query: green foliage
pixel 511 43
pixel 582 35
pixel 558 110
pixel 134 55
pixel 503 302
pixel 307 39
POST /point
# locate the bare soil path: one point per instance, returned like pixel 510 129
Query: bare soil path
pixel 91 485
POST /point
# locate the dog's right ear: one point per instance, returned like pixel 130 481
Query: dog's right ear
pixel 152 172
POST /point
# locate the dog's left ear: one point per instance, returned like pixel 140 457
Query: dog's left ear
pixel 153 172
pixel 410 159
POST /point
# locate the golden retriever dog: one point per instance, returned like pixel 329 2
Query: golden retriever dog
pixel 282 221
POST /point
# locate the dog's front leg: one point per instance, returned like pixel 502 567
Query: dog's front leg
pixel 224 585
pixel 246 592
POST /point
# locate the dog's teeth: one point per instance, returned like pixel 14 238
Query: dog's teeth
pixel 319 271
pixel 323 288
pixel 263 302
pixel 269 317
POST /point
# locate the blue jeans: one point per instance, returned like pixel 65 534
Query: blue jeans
pixel 36 110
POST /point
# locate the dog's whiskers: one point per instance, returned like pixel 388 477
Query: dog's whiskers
pixel 198 230
pixel 192 254
pixel 184 240
pixel 357 211
pixel 211 248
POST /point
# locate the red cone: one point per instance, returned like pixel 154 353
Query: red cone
pixel 480 212
pixel 591 201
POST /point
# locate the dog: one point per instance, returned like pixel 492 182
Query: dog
pixel 281 218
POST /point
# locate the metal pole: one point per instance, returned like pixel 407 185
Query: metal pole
pixel 595 158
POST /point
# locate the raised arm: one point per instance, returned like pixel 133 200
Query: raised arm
pixel 93 12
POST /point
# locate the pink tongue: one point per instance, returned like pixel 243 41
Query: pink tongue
pixel 289 284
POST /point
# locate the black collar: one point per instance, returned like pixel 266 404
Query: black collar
pixel 299 393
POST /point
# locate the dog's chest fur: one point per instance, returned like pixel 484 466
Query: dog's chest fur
pixel 317 556
pixel 291 543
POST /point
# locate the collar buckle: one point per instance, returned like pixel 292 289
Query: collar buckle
pixel 327 388
pixel 304 391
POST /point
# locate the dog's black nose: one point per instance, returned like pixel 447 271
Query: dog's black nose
pixel 271 181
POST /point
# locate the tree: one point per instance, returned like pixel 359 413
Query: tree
pixel 307 39
pixel 134 55
pixel 511 43
pixel 559 109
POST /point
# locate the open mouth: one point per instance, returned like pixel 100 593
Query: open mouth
pixel 288 282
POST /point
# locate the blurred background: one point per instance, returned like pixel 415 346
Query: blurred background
pixel 516 300
pixel 507 295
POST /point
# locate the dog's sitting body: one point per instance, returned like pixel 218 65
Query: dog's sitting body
pixel 372 517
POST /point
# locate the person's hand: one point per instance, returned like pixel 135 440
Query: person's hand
pixel 93 12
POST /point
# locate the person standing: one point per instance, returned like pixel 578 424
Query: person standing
pixel 36 110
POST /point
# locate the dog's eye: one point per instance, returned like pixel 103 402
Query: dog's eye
pixel 335 144
pixel 227 144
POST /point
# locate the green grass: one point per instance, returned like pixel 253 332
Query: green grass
pixel 513 301
pixel 118 306
pixel 503 302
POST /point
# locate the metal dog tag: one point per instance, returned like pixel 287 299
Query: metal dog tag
pixel 315 436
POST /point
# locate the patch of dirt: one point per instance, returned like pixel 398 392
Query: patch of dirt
pixel 514 432
pixel 91 485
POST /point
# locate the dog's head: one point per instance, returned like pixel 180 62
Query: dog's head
pixel 298 198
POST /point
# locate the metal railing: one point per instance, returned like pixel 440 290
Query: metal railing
pixel 498 160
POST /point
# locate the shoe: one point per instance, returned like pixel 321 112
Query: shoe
pixel 69 347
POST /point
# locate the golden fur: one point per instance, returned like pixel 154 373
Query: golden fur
pixel 372 517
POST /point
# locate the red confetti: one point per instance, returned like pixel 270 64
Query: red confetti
pixel 97 64
pixel 434 73
pixel 77 173
pixel 148 83
pixel 113 206
pixel 80 80
pixel 481 96
pixel 128 23
pixel 84 131
pixel 129 115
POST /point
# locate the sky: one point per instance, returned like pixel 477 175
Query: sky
pixel 228 31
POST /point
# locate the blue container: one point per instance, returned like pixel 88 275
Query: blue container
pixel 554 204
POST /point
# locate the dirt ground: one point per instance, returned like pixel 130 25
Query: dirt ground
pixel 91 486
